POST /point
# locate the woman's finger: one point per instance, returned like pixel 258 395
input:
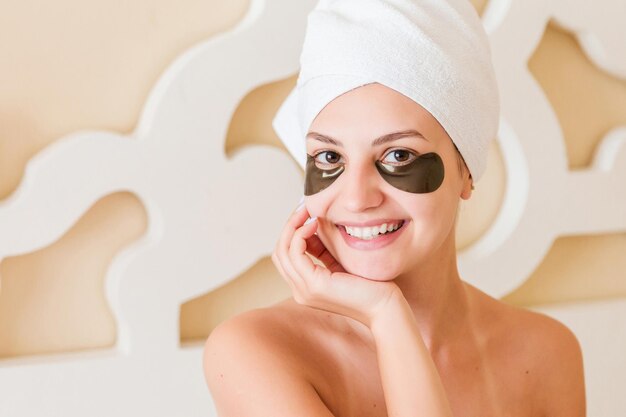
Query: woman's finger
pixel 312 275
pixel 279 267
pixel 295 291
pixel 315 247
pixel 296 219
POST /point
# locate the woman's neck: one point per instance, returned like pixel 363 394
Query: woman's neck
pixel 437 296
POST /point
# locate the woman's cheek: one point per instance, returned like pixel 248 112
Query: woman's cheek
pixel 324 232
pixel 316 205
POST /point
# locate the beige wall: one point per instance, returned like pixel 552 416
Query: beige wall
pixel 69 65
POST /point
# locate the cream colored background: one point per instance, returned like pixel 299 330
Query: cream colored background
pixel 107 57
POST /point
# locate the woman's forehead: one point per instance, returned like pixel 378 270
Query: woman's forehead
pixel 374 110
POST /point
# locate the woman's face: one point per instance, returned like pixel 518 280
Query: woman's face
pixel 360 195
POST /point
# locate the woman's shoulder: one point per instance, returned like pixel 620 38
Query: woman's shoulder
pixel 279 326
pixel 286 332
pixel 549 344
pixel 283 322
pixel 535 348
pixel 507 320
pixel 253 364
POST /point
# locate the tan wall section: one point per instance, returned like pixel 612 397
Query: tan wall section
pixel 91 65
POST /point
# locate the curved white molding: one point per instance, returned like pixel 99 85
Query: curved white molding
pixel 209 218
pixel 544 199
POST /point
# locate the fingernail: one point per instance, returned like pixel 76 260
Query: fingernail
pixel 310 220
pixel 300 206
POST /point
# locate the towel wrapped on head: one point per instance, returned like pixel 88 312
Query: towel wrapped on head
pixel 435 52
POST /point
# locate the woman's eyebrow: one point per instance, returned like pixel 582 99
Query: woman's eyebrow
pixel 389 137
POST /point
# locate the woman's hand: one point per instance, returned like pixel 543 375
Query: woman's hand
pixel 327 287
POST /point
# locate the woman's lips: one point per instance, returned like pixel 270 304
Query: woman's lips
pixel 374 243
pixel 370 223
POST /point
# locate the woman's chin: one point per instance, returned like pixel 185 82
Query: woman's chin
pixel 371 272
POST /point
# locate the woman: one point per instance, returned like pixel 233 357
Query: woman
pixel 382 324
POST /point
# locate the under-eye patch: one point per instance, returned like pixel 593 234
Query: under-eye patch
pixel 317 179
pixel 422 175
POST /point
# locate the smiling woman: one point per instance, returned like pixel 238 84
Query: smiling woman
pixel 385 326
pixel 375 188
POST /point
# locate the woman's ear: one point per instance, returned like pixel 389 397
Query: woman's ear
pixel 468 187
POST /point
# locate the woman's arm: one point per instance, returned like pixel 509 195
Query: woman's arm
pixel 410 380
pixel 411 384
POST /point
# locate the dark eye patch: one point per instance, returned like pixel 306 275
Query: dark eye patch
pixel 317 179
pixel 423 175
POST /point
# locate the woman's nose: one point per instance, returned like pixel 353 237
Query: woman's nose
pixel 360 188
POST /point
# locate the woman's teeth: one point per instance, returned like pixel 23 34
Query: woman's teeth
pixel 367 233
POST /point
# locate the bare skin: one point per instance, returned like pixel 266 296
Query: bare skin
pixel 493 368
pixel 316 353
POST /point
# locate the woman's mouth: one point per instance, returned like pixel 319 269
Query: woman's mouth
pixel 368 233
pixel 372 237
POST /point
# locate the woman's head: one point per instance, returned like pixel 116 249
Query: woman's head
pixel 361 195
pixel 369 68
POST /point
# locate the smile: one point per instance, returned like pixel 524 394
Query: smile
pixel 372 237
pixel 367 233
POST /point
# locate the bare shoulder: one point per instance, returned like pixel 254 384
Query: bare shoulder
pixel 252 367
pixel 542 351
pixel 558 363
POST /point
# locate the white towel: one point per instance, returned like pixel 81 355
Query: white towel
pixel 435 52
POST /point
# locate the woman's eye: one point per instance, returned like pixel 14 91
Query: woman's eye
pixel 326 158
pixel 399 157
